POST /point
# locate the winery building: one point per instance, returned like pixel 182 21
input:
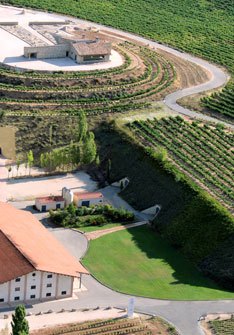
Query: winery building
pixel 81 48
pixel 34 265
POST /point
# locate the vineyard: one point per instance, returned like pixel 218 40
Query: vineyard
pixel 203 152
pixel 222 102
pixel 192 27
pixel 222 327
pixel 113 327
pixel 145 75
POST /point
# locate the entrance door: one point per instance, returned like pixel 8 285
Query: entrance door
pixel 43 208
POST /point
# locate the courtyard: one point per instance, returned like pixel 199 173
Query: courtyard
pixel 12 53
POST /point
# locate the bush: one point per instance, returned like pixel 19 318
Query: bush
pixel 89 216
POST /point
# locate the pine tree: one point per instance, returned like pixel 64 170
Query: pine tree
pixel 19 324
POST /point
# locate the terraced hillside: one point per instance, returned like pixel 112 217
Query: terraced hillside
pixel 203 152
pixel 204 28
pixel 145 75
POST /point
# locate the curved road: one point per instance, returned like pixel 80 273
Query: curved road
pixel 218 76
pixel 183 314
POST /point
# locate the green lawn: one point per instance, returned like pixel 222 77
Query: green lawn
pixel 140 262
pixel 106 226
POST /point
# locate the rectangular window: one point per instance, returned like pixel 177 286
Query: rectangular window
pixel 17 280
pixel 32 296
pixel 49 285
pixel 17 298
pixel 17 289
pixel 1 300
pixel 49 276
pixel 64 292
pixel 33 287
pixel 48 294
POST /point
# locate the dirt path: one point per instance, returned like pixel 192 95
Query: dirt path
pixel 98 233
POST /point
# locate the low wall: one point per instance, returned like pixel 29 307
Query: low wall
pixel 12 23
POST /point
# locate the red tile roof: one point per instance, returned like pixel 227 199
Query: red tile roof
pixel 34 245
pixel 12 263
pixel 50 199
pixel 88 195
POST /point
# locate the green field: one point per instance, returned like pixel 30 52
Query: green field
pixel 141 263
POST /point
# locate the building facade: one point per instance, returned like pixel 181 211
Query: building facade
pixel 76 48
pixel 33 264
pixel 36 285
pixel 45 204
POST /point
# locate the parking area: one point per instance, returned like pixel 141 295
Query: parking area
pixel 30 188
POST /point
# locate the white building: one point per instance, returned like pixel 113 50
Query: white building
pixel 33 264
pixel 87 198
pixel 82 198
pixel 44 204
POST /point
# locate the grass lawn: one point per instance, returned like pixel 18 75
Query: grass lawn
pixel 106 226
pixel 140 262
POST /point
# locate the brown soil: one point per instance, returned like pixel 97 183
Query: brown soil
pixel 138 326
pixel 188 74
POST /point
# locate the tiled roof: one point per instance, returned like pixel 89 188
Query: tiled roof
pixel 35 244
pixel 92 48
pixel 88 195
pixel 12 263
pixel 50 199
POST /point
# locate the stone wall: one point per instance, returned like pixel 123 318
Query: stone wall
pixel 51 51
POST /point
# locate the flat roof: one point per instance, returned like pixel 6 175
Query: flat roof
pixel 31 246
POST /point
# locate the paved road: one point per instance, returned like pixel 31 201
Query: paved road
pixel 111 195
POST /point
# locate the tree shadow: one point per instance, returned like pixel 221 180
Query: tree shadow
pixel 155 247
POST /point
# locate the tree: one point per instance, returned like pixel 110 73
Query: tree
pixel 89 148
pixel 30 160
pixel 82 126
pixel 17 165
pixel 19 324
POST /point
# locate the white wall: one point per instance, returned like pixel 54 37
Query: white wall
pixel 33 279
pixel 17 285
pixel 91 201
pixel 65 283
pixel 41 280
pixel 48 281
pixel 4 290
pixel 49 206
